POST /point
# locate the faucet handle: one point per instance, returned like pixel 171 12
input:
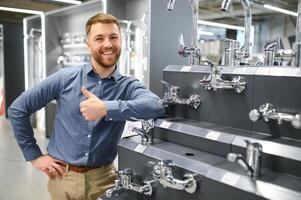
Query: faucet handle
pixel 126 172
pixel 296 122
pixel 147 125
pixel 181 41
pixel 167 163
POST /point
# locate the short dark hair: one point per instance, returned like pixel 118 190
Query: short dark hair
pixel 101 18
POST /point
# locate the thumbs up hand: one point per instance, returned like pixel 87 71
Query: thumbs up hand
pixel 92 108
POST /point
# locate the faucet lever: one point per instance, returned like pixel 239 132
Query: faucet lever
pixel 252 163
pixel 181 40
pixel 268 112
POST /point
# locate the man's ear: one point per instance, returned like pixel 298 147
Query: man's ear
pixel 87 44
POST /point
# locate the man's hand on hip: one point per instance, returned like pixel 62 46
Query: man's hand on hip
pixel 49 166
pixel 92 108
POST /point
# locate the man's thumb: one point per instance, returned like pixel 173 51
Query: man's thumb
pixel 87 93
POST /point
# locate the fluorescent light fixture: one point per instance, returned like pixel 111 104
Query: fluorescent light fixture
pixel 69 1
pixel 20 10
pixel 207 23
pixel 206 33
pixel 280 10
pixel 104 6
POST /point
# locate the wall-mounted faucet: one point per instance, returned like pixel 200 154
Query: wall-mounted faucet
pixel 268 112
pixel 252 163
pixel 236 53
pixel 193 52
pixel 214 81
pixel 125 182
pixel 163 173
pixel 146 131
pixel 172 96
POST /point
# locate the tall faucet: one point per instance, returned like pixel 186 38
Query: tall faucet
pixel 193 52
pixel 252 163
pixel 245 51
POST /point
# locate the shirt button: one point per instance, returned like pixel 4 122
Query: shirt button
pixel 86 154
pixel 99 82
pixel 110 119
pixel 89 136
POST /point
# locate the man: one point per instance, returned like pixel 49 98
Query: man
pixel 93 102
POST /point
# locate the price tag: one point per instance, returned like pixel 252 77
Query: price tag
pixel 212 135
pixel 140 148
pixel 185 68
pixel 165 124
pixel 230 178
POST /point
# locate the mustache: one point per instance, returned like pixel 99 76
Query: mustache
pixel 108 49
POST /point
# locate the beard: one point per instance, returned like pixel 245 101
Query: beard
pixel 106 62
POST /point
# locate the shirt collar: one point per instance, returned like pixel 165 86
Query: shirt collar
pixel 116 75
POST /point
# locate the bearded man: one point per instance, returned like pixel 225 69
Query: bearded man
pixel 93 102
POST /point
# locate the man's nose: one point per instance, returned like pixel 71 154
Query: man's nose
pixel 107 42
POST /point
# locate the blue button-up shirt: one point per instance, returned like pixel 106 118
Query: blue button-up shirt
pixel 75 140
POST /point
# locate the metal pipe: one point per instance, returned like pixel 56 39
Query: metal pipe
pixel 194 6
pixel 247 23
pixel 297 45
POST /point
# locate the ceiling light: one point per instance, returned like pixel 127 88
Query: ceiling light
pixel 227 26
pixel 19 10
pixel 280 10
pixel 69 1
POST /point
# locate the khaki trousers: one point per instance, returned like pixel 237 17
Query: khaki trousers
pixel 83 186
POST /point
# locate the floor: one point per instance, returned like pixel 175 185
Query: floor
pixel 18 179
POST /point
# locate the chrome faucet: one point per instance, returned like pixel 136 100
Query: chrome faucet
pixel 252 163
pixel 163 173
pixel 243 52
pixel 125 182
pixel 193 53
pixel 146 131
pixel 214 81
pixel 268 112
pixel 273 53
pixel 172 96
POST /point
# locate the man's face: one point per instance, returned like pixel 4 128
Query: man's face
pixel 104 42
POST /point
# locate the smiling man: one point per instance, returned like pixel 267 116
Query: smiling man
pixel 93 102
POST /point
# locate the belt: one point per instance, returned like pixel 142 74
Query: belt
pixel 74 168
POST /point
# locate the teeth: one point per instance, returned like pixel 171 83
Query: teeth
pixel 108 53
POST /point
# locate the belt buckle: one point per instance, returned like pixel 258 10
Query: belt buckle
pixel 67 168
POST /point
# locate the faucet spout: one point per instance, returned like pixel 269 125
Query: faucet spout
pixel 247 23
pixel 194 53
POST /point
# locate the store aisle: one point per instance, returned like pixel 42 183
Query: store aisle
pixel 18 179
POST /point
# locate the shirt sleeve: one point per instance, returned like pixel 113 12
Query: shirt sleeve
pixel 141 103
pixel 27 103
